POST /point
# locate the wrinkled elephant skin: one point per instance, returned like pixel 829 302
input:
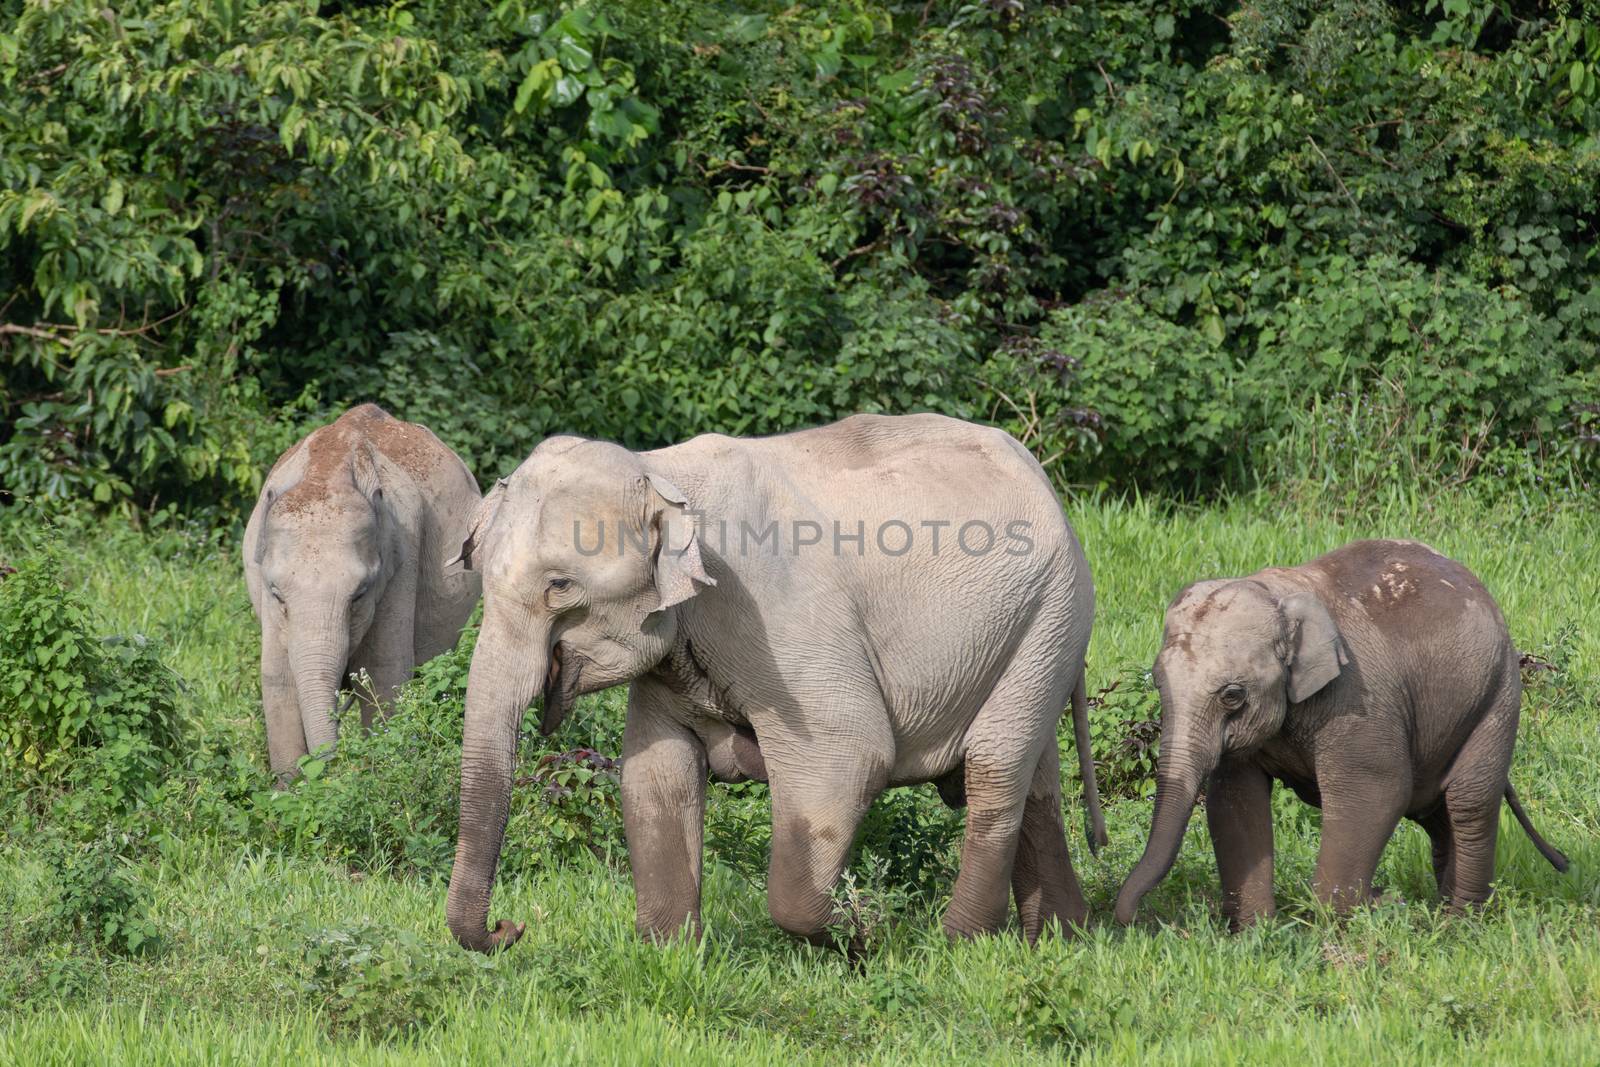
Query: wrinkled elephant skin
pixel 817 610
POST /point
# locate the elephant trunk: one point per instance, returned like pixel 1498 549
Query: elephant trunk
pixel 318 652
pixel 501 683
pixel 1177 786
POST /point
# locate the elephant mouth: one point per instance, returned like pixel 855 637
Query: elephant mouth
pixel 560 687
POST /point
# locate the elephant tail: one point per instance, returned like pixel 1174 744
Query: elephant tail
pixel 1095 824
pixel 1546 849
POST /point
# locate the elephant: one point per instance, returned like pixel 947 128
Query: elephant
pixel 820 610
pixel 344 556
pixel 1376 681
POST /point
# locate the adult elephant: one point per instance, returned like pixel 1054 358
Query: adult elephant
pixel 879 602
pixel 344 557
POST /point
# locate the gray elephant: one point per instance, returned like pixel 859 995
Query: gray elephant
pixel 879 602
pixel 1377 681
pixel 345 556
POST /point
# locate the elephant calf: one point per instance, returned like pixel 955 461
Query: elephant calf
pixel 1377 681
pixel 345 556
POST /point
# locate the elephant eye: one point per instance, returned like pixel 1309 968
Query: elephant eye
pixel 1233 696
pixel 558 585
pixel 275 594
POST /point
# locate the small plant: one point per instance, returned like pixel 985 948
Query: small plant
pixel 579 808
pixel 1049 1008
pixel 739 829
pixel 895 992
pixel 1125 734
pixel 917 838
pixel 97 900
pixel 1463 1016
pixel 382 982
pixel 866 903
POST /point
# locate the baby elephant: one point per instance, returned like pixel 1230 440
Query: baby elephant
pixel 345 556
pixel 1376 681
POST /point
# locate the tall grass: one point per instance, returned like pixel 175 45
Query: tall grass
pixel 1403 982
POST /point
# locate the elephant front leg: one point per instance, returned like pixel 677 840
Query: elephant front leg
pixel 1239 815
pixel 822 786
pixel 387 652
pixel 1358 818
pixel 663 814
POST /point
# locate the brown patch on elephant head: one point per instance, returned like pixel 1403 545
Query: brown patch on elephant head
pixel 331 451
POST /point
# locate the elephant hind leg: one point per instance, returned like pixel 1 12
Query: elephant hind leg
pixel 1473 792
pixel 1437 825
pixel 1042 879
pixel 1004 748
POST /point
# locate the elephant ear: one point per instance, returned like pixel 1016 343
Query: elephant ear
pixel 284 476
pixel 677 566
pixel 364 472
pixel 479 528
pixel 269 498
pixel 1315 649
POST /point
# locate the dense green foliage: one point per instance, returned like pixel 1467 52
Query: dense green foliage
pixel 211 918
pixel 99 714
pixel 1154 238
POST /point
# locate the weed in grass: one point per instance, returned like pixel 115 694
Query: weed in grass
pixel 383 982
pixel 98 900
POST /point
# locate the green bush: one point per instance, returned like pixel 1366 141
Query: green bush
pixel 382 982
pixel 100 713
pixel 97 898
pixel 1125 735
pixel 389 799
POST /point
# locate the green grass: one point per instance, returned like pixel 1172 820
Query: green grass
pixel 1517 983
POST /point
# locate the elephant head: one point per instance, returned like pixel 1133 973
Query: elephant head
pixel 584 554
pixel 321 550
pixel 1235 657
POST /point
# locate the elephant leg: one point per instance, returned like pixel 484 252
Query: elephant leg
pixel 822 786
pixel 286 737
pixel 386 651
pixel 1004 746
pixel 1473 792
pixel 1239 815
pixel 1042 879
pixel 663 813
pixel 1442 846
pixel 1358 818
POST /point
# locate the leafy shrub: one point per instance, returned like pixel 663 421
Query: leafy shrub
pixel 1048 1007
pixel 383 982
pixel 643 223
pixel 97 899
pixel 1125 735
pixel 739 829
pixel 579 789
pixel 389 799
pixel 866 903
pixel 100 713
pixel 910 843
pixel 1162 396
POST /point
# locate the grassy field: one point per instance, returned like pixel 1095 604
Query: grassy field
pixel 1517 983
